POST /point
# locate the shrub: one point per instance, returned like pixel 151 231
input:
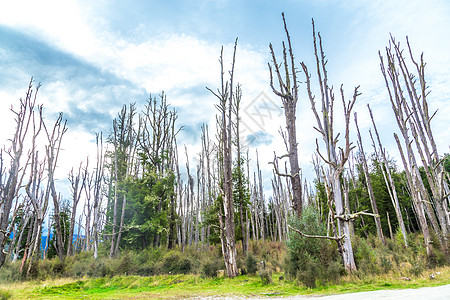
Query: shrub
pixel 5 295
pixel 147 269
pixel 265 275
pixel 334 271
pixel 386 264
pixel 365 257
pixel 417 266
pixel 124 265
pixel 309 260
pixel 99 268
pixel 211 267
pixel 174 263
pixel 10 272
pixel 251 264
pixel 309 273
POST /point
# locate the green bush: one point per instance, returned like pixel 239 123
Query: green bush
pixel 100 268
pixel 417 266
pixel 147 269
pixel 266 276
pixel 365 257
pixel 5 295
pixel 211 267
pixel 309 260
pixel 125 264
pixel 309 273
pixel 386 264
pixel 174 263
pixel 251 264
pixel 9 272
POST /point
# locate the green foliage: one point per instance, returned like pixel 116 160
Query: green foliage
pixel 365 256
pixel 447 163
pixel 310 260
pixel 5 295
pixel 147 211
pixel 309 273
pixel 241 196
pixel 266 276
pixel 386 264
pixel 64 218
pixel 360 201
pixel 251 264
pixel 417 266
pixel 211 267
pixel 211 217
pixel 175 263
pixel 9 272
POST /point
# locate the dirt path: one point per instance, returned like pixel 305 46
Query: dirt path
pixel 426 293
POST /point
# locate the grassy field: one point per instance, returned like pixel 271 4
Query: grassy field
pixel 185 286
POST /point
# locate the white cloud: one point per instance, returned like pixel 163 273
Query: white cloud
pixel 180 62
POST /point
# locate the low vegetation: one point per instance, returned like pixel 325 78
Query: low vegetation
pixel 269 268
pixel 184 286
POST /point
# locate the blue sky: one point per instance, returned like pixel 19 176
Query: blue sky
pixel 93 56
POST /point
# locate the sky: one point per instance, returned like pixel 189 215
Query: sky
pixel 92 57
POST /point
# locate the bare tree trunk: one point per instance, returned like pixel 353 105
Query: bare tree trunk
pixel 369 185
pixel 336 164
pixel 415 194
pixel 289 97
pixel 116 182
pixel 52 153
pixel 98 179
pixel 396 98
pixel 9 185
pixel 77 189
pixel 225 95
pixel 388 177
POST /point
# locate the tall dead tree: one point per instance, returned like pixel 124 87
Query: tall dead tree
pixel 420 125
pixel 335 161
pixel 399 91
pixel 38 199
pixel 225 95
pixel 98 195
pixel 288 92
pixel 52 150
pixel 77 184
pixel 385 169
pixel 373 202
pixel 11 178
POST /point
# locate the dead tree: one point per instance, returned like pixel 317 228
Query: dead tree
pixel 38 198
pixel 240 180
pixel 420 125
pixel 335 161
pixel 388 179
pixel 392 74
pixel 225 95
pixel 98 195
pixel 11 178
pixel 288 92
pixel 52 150
pixel 77 184
pixel 87 211
pixel 373 202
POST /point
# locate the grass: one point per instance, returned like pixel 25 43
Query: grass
pixel 185 286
